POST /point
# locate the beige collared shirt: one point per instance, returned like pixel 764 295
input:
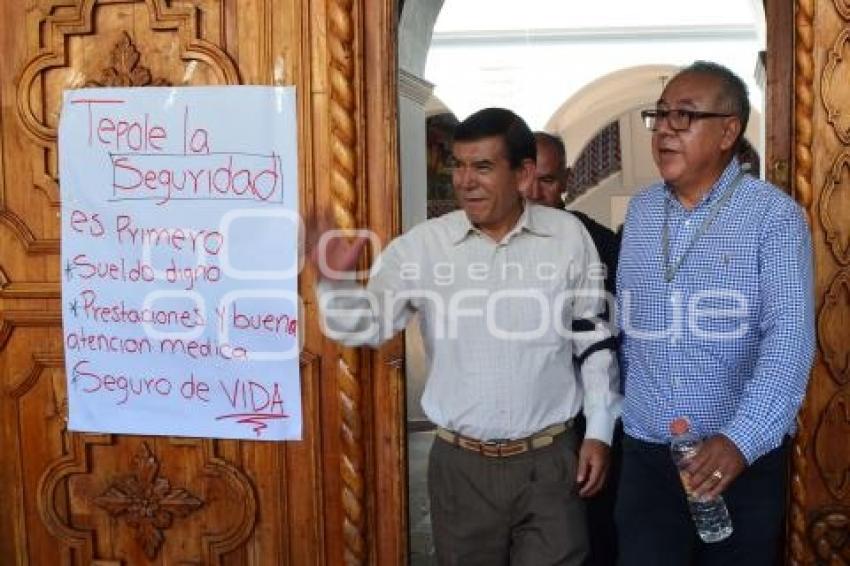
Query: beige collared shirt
pixel 497 322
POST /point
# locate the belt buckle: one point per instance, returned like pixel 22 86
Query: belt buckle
pixel 492 448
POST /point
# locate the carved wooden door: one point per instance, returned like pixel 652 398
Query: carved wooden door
pixel 79 499
pixel 820 480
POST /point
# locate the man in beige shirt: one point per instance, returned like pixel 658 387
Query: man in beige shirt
pixel 507 294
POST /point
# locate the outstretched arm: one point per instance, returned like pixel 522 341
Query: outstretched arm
pixel 349 313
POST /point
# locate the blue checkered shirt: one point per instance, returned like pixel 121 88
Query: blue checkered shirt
pixel 729 341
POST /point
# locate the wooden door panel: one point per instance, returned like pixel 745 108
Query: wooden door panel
pixel 75 499
pixel 820 479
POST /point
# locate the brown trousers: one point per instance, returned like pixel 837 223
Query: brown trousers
pixel 521 510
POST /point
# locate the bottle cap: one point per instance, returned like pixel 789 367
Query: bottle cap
pixel 679 426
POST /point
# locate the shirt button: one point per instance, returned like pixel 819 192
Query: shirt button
pixel 687 222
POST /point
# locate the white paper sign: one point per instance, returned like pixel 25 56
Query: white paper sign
pixel 179 257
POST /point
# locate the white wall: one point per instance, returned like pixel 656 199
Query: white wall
pixel 533 55
pixel 604 203
pixel 414 34
pixel 414 38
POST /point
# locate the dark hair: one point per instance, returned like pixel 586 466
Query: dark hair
pixel 491 122
pixel 556 143
pixel 734 95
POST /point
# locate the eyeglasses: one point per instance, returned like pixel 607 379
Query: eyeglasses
pixel 678 119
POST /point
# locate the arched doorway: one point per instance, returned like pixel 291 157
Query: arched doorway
pixel 820 456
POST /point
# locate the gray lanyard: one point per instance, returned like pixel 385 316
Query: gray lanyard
pixel 670 271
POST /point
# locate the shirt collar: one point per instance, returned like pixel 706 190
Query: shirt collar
pixel 723 183
pixel 532 221
pixel 529 221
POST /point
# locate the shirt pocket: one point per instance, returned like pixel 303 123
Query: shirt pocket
pixel 727 260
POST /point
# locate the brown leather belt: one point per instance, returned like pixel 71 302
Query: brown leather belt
pixel 504 448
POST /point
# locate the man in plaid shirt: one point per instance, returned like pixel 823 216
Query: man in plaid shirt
pixel 716 309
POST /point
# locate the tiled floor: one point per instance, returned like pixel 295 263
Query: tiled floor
pixel 419 519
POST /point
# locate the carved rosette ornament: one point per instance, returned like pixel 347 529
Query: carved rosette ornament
pixel 147 502
pixel 830 536
pixel 804 82
pixel 836 74
pixel 125 69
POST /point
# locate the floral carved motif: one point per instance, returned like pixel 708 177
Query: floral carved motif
pixel 58 26
pixel 147 502
pixel 836 75
pixel 78 20
pixel 843 8
pixel 125 69
pixel 830 536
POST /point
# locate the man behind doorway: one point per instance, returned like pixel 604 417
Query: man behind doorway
pixel 498 286
pixel 549 189
pixel 716 312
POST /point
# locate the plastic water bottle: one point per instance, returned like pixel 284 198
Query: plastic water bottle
pixel 710 516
